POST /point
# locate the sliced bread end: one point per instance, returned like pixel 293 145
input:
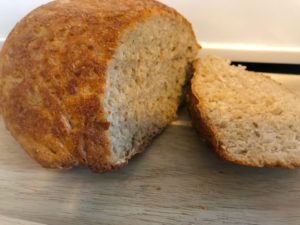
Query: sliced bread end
pixel 248 118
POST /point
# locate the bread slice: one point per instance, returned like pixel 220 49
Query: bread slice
pixel 85 82
pixel 248 118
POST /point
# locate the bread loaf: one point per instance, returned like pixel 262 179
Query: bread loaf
pixel 91 82
pixel 247 117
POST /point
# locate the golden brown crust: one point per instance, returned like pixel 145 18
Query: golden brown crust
pixel 207 131
pixel 53 73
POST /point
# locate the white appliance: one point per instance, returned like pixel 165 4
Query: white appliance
pixel 247 30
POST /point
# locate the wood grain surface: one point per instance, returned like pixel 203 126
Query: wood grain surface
pixel 178 180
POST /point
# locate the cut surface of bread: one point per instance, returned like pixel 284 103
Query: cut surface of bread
pixel 249 118
pixel 145 81
pixel 91 82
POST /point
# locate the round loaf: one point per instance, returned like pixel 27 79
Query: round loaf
pixel 91 82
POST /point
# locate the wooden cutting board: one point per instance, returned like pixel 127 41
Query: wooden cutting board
pixel 178 180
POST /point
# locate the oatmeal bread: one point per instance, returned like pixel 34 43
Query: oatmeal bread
pixel 92 82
